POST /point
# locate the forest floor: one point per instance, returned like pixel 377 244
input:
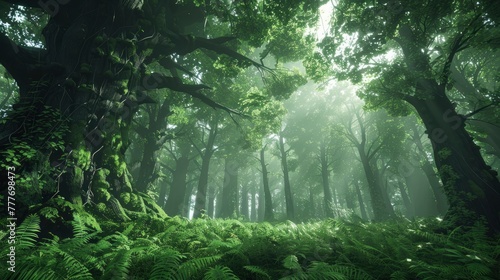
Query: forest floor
pixel 176 248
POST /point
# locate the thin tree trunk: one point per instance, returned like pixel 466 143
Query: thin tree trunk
pixel 229 189
pixel 186 206
pixel 177 192
pixel 211 202
pixel 290 212
pixel 410 211
pixel 362 208
pixel 253 211
pixel 437 189
pixel 268 204
pixel 201 193
pixel 382 209
pixel 325 176
pixel 244 202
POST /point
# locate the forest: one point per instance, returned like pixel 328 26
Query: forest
pixel 250 139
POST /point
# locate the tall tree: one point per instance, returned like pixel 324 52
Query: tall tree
pixel 290 207
pixel 368 148
pixel 206 153
pixel 86 78
pixel 267 205
pixel 410 47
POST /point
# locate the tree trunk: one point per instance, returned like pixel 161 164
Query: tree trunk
pixel 325 176
pixel 244 202
pixel 382 209
pixel 268 203
pixel 158 116
pixel 437 189
pixel 312 208
pixel 201 193
pixel 290 212
pixel 229 189
pixel 472 188
pixel 410 211
pixel 162 195
pixel 261 209
pixel 253 211
pixel 362 208
pixel 177 192
pixel 88 78
pixel 186 205
pixel 211 202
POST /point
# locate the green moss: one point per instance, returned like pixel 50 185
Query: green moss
pixel 134 200
pixel 81 157
pixel 125 197
pixel 476 190
pixel 77 176
pixel 101 207
pixel 444 153
pixel 102 194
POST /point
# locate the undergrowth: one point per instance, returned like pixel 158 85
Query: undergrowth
pixel 231 249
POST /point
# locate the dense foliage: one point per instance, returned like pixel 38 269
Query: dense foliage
pixel 176 248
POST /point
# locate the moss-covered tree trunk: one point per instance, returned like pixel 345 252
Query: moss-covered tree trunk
pixel 155 136
pixel 472 188
pixel 90 73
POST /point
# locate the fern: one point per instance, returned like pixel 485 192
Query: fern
pixel 27 233
pixel 353 273
pixel 71 268
pixel 27 271
pixel 258 271
pixel 192 267
pixel 165 265
pixel 118 267
pixel 220 273
pixel 79 228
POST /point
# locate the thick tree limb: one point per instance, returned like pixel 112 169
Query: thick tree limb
pixel 176 84
pixel 25 63
pixel 10 58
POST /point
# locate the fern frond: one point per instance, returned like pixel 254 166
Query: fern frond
pixel 71 268
pixel 27 233
pixel 352 273
pixel 118 267
pixel 257 270
pixel 79 228
pixel 324 271
pixel 194 266
pixel 165 265
pixel 28 271
pixel 220 273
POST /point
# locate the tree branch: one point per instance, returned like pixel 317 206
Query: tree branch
pixel 161 81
